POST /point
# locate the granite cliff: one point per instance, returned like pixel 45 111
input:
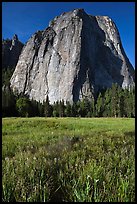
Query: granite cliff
pixel 77 55
pixel 11 50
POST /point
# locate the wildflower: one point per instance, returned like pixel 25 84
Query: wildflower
pixel 45 160
pixel 88 176
pixel 55 159
pixel 83 162
pixel 96 180
pixel 7 158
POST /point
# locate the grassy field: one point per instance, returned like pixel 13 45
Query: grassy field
pixel 68 159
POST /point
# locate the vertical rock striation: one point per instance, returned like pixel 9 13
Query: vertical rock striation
pixel 77 55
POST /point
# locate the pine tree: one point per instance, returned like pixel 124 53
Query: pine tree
pixel 93 108
pixel 34 108
pixel 114 100
pixel 107 100
pixel 75 107
pixel 99 105
pixel 68 109
pixel 47 108
pixel 133 101
pixel 8 102
pixel 121 103
pixel 40 109
pixel 23 106
pixel 56 109
pixel 82 108
pixel 87 107
pixel 61 108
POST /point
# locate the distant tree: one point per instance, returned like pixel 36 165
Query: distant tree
pixel 34 108
pixel 6 75
pixel 92 109
pixel 107 101
pixel 133 101
pixel 87 104
pixel 23 106
pixel 56 109
pixel 74 109
pixel 121 103
pixel 68 109
pixel 85 108
pixel 114 100
pixel 41 109
pixel 129 102
pixel 47 108
pixel 61 109
pixel 8 102
pixel 99 105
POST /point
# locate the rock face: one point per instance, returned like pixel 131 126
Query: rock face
pixel 11 50
pixel 77 55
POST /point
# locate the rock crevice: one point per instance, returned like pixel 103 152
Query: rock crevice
pixel 75 57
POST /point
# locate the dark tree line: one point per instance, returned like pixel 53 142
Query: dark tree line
pixel 113 102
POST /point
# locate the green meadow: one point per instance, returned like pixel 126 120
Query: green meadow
pixel 68 159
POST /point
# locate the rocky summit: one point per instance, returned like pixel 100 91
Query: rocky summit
pixel 11 49
pixel 74 57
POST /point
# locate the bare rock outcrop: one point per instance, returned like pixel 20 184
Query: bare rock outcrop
pixel 11 50
pixel 77 55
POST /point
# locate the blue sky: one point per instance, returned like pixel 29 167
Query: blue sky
pixel 25 18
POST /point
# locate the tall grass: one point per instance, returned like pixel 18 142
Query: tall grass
pixel 68 159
